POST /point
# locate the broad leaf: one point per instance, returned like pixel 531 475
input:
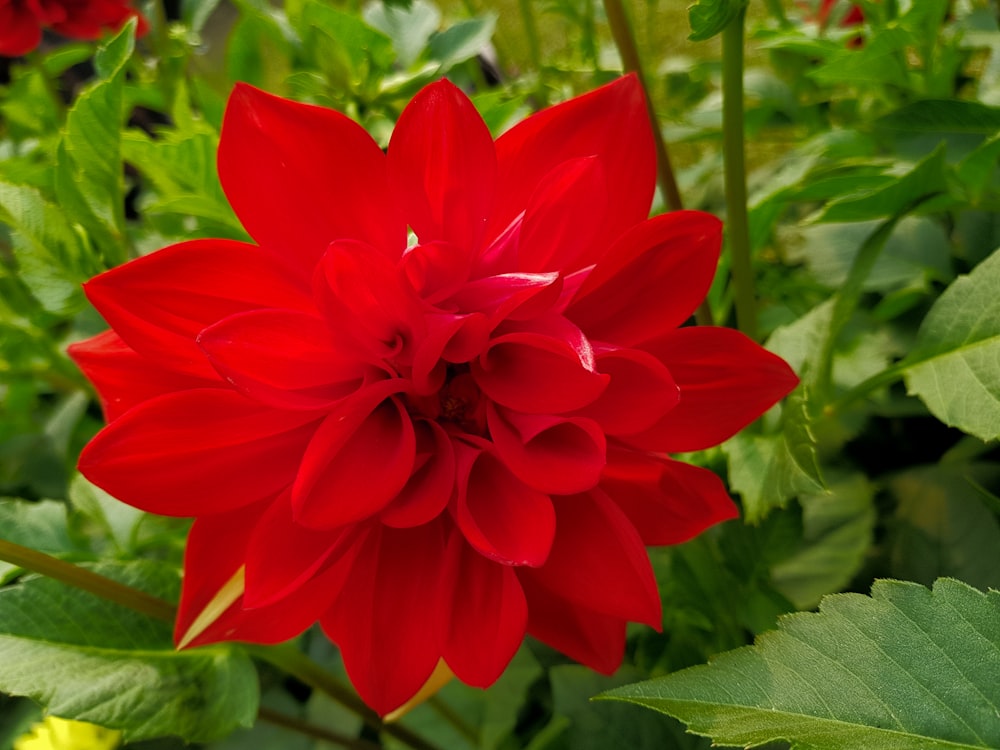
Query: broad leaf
pixel 462 41
pixel 907 669
pixel 710 17
pixel 942 116
pixel 40 526
pixel 409 28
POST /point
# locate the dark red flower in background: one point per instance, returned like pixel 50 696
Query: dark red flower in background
pixel 853 17
pixel 22 21
pixel 433 441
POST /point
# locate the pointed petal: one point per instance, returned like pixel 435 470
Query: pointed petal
pixel 514 296
pixel 386 618
pixel 285 358
pixel 448 338
pixel 209 449
pixel 487 617
pixel 123 377
pixel 550 454
pixel 300 177
pixel 160 302
pixel 431 484
pixel 669 502
pixel 610 123
pixel 359 459
pixel 598 560
pixel 436 270
pixel 651 280
pixel 500 516
pixel 442 167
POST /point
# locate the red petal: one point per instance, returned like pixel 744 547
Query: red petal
pixel 123 377
pixel 451 338
pixel 385 619
pixel 486 615
pixel 300 177
pixel 640 392
pixel 360 458
pixel 20 30
pixel 285 358
pixel 499 515
pixel 598 560
pixel 442 167
pixel 517 296
pixel 651 280
pixel 160 302
pixel 194 452
pixel 436 270
pixel 594 639
pixel 568 205
pixel 726 382
pixel 549 454
pixel 668 501
pixel 430 486
pixel 610 123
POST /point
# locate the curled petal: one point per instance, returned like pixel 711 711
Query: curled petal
pixel 281 159
pixel 598 560
pixel 285 358
pixel 448 338
pixel 487 615
pixel 726 381
pixel 431 484
pixel 616 131
pixel 359 459
pixel 197 445
pixel 669 502
pixel 436 270
pixel 123 377
pixel 640 392
pixel 442 167
pixel 160 302
pixel 651 280
pixel 500 516
pixel 550 454
pixel 386 617
pixel 514 296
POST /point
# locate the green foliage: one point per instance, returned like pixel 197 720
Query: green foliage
pixel 710 17
pixel 907 668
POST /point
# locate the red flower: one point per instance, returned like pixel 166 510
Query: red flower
pixel 854 16
pixel 431 447
pixel 22 21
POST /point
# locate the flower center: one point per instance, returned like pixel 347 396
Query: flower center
pixel 459 402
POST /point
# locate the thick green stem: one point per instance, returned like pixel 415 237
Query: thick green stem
pixel 737 220
pixel 81 578
pixel 531 34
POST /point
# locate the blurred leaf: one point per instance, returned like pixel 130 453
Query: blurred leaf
pixel 942 526
pixel 92 660
pixel 462 41
pixel 710 17
pixel 942 115
pixel 40 526
pixel 352 51
pixel 953 368
pixel 408 27
pixel 977 170
pixel 114 518
pixel 879 61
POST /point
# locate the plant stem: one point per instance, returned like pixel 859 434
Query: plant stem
pixel 293 662
pixel 733 135
pixel 452 716
pixel 295 724
pixel 531 34
pixel 87 580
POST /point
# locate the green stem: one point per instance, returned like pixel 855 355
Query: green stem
pixel 531 34
pixel 776 9
pixel 290 660
pixel 295 724
pixel 452 716
pixel 733 135
pixel 81 578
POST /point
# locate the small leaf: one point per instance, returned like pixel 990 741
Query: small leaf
pixel 907 669
pixel 942 116
pixel 409 27
pixel 710 17
pixel 462 41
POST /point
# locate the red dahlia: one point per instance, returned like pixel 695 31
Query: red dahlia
pixel 431 442
pixel 22 21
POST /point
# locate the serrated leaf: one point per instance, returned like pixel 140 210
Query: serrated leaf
pixel 710 17
pixel 907 669
pixel 954 370
pixel 462 41
pixel 88 659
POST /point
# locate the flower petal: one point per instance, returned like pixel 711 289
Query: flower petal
pixel 726 382
pixel 123 377
pixel 669 502
pixel 500 516
pixel 280 159
pixel 359 459
pixel 610 123
pixel 487 618
pixel 386 618
pixel 187 453
pixel 651 280
pixel 160 302
pixel 549 454
pixel 431 484
pixel 598 560
pixel 517 296
pixel 442 167
pixel 20 30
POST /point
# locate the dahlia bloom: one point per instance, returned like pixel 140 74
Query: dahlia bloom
pixel 432 442
pixel 22 21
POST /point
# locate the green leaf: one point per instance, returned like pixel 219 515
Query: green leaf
pixel 942 116
pixel 40 526
pixel 116 520
pixel 710 17
pixel 879 61
pixel 977 169
pixel 462 41
pixel 84 658
pixel 357 50
pixel 409 28
pixel 907 669
pixel 954 363
pixel 942 526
